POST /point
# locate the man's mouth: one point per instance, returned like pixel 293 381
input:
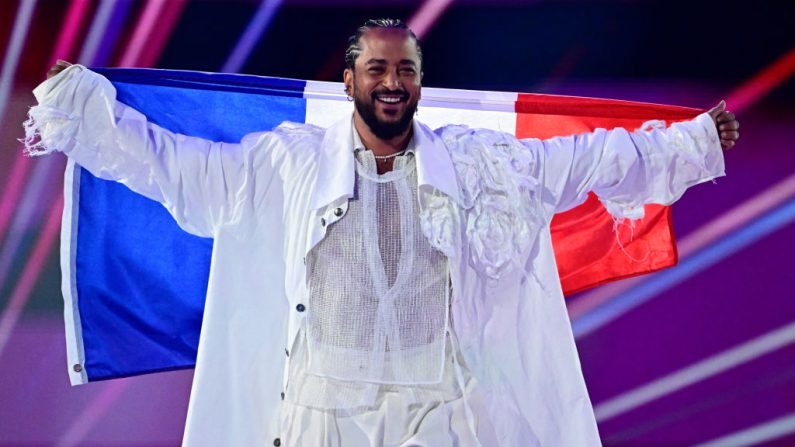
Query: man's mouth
pixel 390 98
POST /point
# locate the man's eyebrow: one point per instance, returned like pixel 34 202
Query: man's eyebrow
pixel 384 62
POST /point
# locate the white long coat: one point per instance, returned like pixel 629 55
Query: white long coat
pixel 487 200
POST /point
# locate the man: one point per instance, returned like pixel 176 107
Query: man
pixel 379 283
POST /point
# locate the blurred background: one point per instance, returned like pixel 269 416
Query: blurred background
pixel 701 354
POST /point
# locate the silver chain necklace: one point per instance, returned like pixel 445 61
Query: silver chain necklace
pixel 387 157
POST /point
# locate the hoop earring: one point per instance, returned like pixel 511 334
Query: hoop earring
pixel 350 98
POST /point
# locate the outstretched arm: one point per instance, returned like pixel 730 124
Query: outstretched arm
pixel 199 181
pixel 630 169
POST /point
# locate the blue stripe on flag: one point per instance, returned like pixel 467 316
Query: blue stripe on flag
pixel 140 279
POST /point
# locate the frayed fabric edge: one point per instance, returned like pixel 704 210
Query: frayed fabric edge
pixel 46 129
pixel 618 222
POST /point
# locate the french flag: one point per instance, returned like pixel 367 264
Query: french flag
pixel 134 283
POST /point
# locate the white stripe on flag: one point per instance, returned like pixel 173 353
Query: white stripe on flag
pixel 75 355
pixel 327 104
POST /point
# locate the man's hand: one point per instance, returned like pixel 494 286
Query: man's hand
pixel 57 68
pixel 727 125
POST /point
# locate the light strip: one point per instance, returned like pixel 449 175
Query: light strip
pixel 762 83
pixel 15 45
pixel 46 168
pixel 92 413
pixel 156 40
pixel 701 237
pixel 19 296
pixel 256 27
pixel 69 30
pixel 696 372
pixel 146 22
pixel 30 273
pixel 757 434
pixel 43 171
pixel 99 27
pixel 666 279
pixel 421 22
pixel 23 209
pixel 21 166
pixel 103 54
pixel 12 190
pixel 28 210
pixel 424 18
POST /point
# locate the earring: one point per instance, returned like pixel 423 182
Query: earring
pixel 350 98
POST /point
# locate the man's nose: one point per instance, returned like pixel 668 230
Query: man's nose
pixel 391 80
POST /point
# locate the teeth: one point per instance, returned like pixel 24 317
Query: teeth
pixel 388 100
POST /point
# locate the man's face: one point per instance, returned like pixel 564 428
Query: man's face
pixel 385 82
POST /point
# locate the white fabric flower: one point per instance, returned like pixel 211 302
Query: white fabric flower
pixel 497 177
pixel 438 220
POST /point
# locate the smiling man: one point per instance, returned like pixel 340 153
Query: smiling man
pixel 407 274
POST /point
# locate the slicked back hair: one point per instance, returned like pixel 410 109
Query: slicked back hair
pixel 355 49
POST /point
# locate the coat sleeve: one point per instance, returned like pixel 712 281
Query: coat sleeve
pixel 627 170
pixel 202 183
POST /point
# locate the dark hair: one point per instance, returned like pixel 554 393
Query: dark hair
pixel 354 49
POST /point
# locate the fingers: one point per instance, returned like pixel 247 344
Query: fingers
pixel 729 125
pixel 717 110
pixel 60 65
pixel 730 135
pixel 725 117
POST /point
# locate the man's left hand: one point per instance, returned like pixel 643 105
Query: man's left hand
pixel 727 125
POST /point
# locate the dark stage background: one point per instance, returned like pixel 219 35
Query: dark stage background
pixel 702 354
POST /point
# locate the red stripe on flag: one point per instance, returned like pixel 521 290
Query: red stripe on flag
pixel 588 249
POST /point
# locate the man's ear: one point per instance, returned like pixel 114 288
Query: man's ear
pixel 347 79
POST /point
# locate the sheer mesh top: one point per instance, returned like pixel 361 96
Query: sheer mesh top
pixel 378 306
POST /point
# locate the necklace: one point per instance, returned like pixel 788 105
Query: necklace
pixel 387 157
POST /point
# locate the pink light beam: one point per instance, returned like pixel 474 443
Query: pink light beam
pixel 424 18
pixel 143 29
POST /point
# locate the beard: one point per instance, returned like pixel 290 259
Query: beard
pixel 385 130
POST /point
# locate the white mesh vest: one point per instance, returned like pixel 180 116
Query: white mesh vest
pixel 378 307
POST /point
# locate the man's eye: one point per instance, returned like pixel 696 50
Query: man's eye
pixel 408 71
pixel 376 70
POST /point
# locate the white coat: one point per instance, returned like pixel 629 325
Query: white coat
pixel 486 200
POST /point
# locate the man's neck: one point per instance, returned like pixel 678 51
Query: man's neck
pixel 381 146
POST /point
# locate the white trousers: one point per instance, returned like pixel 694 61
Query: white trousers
pixel 396 419
pixel 390 423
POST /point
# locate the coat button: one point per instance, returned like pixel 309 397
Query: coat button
pixel 277 442
pixel 282 395
pixel 322 222
pixel 300 307
pixel 286 352
pixel 338 212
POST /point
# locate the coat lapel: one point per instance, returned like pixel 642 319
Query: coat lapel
pixel 335 170
pixel 435 169
pixel 335 178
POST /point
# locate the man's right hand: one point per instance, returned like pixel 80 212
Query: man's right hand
pixel 59 66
